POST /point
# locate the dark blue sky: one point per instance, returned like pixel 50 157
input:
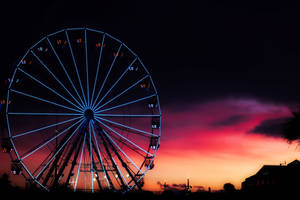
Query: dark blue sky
pixel 194 51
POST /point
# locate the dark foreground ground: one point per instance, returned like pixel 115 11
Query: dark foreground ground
pixel 283 191
pixel 16 193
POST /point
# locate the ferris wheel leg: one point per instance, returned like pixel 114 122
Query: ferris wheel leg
pixel 61 147
pixel 67 159
pixel 107 141
pixel 110 184
pixel 94 166
pixel 99 131
pixel 74 161
pixel 57 158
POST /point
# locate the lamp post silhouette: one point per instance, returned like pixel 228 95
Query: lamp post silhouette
pixel 188 186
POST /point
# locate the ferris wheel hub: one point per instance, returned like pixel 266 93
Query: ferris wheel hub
pixel 89 114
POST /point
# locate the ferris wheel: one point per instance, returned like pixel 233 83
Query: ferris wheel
pixel 82 112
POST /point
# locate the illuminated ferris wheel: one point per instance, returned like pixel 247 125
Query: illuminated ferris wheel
pixel 83 113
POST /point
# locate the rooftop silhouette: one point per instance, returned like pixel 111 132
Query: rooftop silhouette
pixel 275 176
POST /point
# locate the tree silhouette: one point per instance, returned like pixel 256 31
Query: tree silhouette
pixel 5 182
pixel 291 129
pixel 228 187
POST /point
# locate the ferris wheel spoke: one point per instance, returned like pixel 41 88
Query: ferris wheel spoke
pixel 47 68
pixel 113 144
pixel 123 142
pixel 62 146
pixel 75 65
pixel 87 70
pixel 115 83
pixel 80 161
pixel 65 71
pixel 128 103
pixel 132 143
pixel 111 88
pixel 108 180
pixel 121 93
pixel 50 140
pixel 44 114
pixel 128 127
pixel 43 128
pixel 98 65
pixel 91 156
pixel 121 115
pixel 42 163
pixel 33 78
pixel 108 73
pixel 115 166
pixel 44 100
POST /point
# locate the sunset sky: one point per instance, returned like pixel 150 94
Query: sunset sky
pixel 214 150
pixel 227 75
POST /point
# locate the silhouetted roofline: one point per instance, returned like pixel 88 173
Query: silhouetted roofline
pixel 294 163
pixel 275 167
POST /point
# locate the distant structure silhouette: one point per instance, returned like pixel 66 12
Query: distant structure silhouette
pixel 185 188
pixel 285 177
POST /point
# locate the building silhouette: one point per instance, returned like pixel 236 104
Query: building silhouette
pixel 283 177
